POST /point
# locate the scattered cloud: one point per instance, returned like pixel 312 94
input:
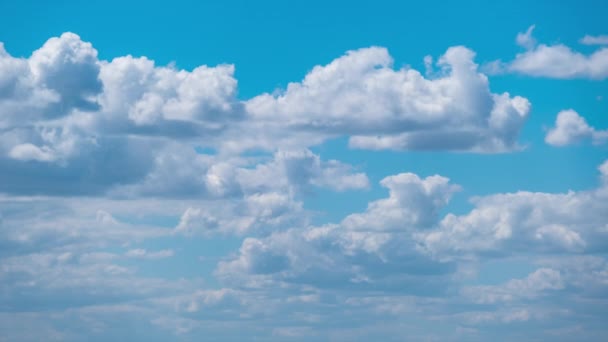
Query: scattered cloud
pixel 117 174
pixel 556 60
pixel 594 40
pixel 571 128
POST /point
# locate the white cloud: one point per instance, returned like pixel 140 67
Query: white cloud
pixel 526 39
pixel 31 152
pixel 67 109
pixel 69 67
pixel 594 40
pixel 360 94
pixel 374 248
pixel 104 153
pixel 523 222
pixel 412 202
pixel 301 169
pixel 558 60
pixel 140 253
pixel 571 128
pixel 59 77
pixel 159 96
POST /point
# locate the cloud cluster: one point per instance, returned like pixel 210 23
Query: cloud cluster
pixel 370 249
pixel 74 124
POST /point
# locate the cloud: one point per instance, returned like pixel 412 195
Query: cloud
pixel 365 269
pixel 111 167
pixel 373 249
pixel 594 40
pixel 541 280
pixel 412 202
pixel 507 224
pixel 558 60
pixel 67 112
pixel 69 67
pixel 157 98
pixel 361 95
pixel 299 170
pixel 140 253
pixel 59 77
pixel 571 128
pixel 56 281
pixel 31 152
pixel 526 39
pixel 253 214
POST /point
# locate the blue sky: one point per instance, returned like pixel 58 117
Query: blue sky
pixel 303 170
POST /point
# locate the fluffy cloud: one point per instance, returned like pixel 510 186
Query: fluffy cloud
pixel 66 111
pixel 413 202
pixel 559 60
pixel 570 128
pixel 361 95
pixel 157 100
pixel 524 222
pixel 57 78
pixel 301 169
pixel 102 176
pixel 374 248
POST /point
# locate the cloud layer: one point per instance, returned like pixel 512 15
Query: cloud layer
pixel 147 202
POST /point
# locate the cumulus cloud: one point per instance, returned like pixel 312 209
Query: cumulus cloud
pixel 69 67
pixel 101 161
pixel 558 60
pixel 66 111
pixel 503 224
pixel 300 169
pixel 59 77
pixel 157 99
pixel 412 202
pixel 374 248
pixel 571 128
pixel 361 95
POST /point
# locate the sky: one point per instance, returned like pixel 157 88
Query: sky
pixel 303 171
